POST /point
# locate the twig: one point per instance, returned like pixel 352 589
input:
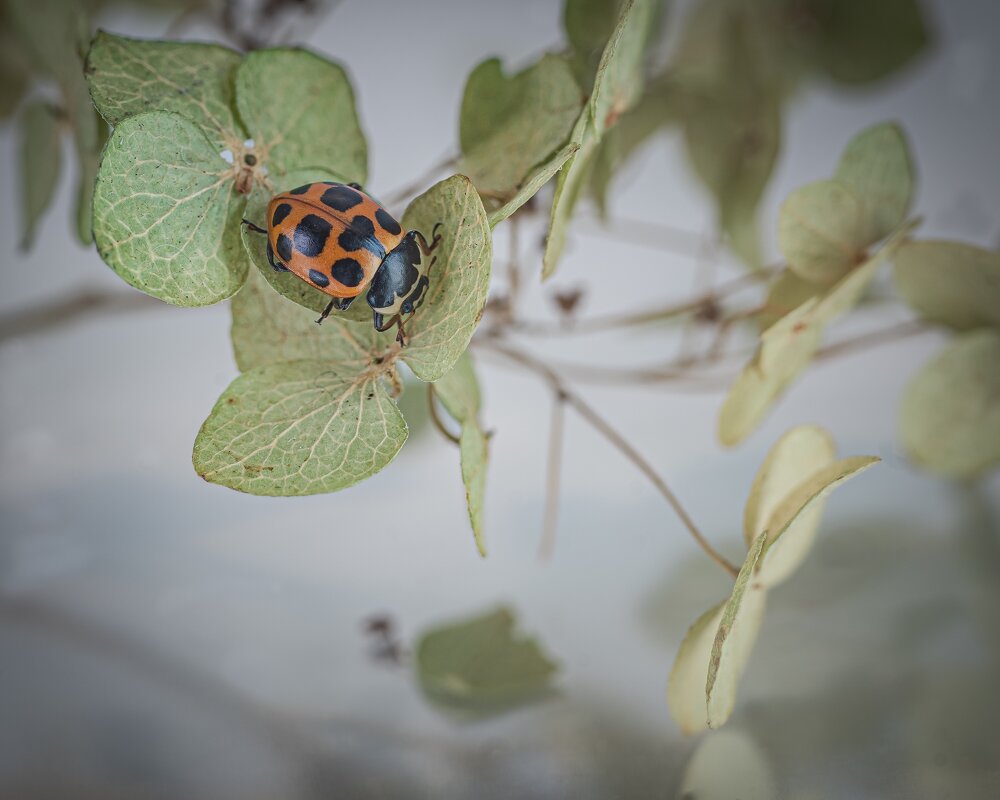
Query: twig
pixel 553 473
pixel 436 418
pixel 874 338
pixel 609 433
pixel 708 260
pixel 513 264
pixel 51 315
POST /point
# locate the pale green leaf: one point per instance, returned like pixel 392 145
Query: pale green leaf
pixel 15 69
pixel 728 765
pixel 286 283
pixel 511 125
pixel 474 451
pixel 482 662
pixel 734 640
pixel 41 156
pixel 90 132
pixel 821 231
pixel 458 390
pixel 268 328
pixel 166 211
pixel 535 181
pixel 299 110
pixel 877 169
pixel 952 283
pixel 297 428
pixel 686 685
pixel 440 330
pixel 787 292
pixel 950 414
pixel 589 24
pixel 132 76
pixel 50 32
pixel 792 524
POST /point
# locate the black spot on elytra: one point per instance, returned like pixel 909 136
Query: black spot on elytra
pixel 348 272
pixel 340 197
pixel 300 189
pixel 318 278
pixel 284 246
pixel 311 235
pixel 280 213
pixel 363 225
pixel 352 240
pixel 386 221
pixel 276 265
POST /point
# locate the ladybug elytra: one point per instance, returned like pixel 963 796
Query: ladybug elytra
pixel 336 238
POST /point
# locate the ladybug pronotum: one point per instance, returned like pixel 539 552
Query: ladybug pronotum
pixel 339 240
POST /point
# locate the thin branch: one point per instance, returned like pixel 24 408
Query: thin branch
pixel 616 439
pixel 873 339
pixel 553 473
pixel 436 418
pixel 77 305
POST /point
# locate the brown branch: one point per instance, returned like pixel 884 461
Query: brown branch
pixel 552 475
pixel 894 333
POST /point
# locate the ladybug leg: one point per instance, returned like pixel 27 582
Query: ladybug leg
pixel 326 311
pixel 252 227
pixel 425 248
pixel 344 303
pixel 276 265
pixel 357 186
pixel 401 336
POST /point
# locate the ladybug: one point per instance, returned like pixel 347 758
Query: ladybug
pixel 336 238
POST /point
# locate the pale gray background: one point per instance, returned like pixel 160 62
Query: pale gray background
pixel 163 637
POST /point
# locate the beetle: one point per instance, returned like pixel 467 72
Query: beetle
pixel 336 238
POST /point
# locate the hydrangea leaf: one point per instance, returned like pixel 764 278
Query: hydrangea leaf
pixel 728 764
pixel 15 72
pixel 821 231
pixel 299 111
pixel 90 132
pixel 166 211
pixel 686 685
pixel 440 330
pixel 41 156
pixel 952 283
pixel 588 25
pixel 735 636
pixel 535 181
pixel 509 125
pixel 788 291
pixel 133 76
pixel 51 32
pixel 286 283
pixel 950 416
pixel 792 524
pixel 482 663
pixel 267 328
pixel 458 390
pixel 298 428
pixel 878 170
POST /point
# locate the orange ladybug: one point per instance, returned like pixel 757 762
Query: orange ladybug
pixel 335 237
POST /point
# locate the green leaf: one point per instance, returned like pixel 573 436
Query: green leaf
pixel 511 125
pixel 787 292
pixel 821 231
pixel 877 169
pixel 686 685
pixel 481 663
pixel 442 327
pixel 950 414
pixel 267 328
pixel 458 390
pixel 15 72
pixel 792 523
pixel 475 452
pixel 166 211
pixel 726 765
pixel 297 428
pixel 734 640
pixel 50 32
pixel 41 154
pixel 288 284
pixel 133 76
pixel 589 24
pixel 299 110
pixel 535 181
pixel 90 132
pixel 952 283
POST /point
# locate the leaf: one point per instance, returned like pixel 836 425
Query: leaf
pixel 166 211
pixel 952 283
pixel 728 765
pixel 474 450
pixel 950 414
pixel 791 525
pixel 50 32
pixel 511 125
pixel 820 231
pixel 299 110
pixel 589 24
pixel 535 181
pixel 267 328
pixel 298 428
pixel 787 292
pixel 481 662
pixel 15 72
pixel 41 154
pixel 458 390
pixel 877 169
pixel 90 132
pixel 734 640
pixel 288 284
pixel 442 327
pixel 686 685
pixel 133 76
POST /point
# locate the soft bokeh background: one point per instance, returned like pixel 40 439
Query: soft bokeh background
pixel 163 637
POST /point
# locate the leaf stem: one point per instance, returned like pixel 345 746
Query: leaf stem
pixel 436 417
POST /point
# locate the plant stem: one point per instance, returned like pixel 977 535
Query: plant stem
pixel 552 476
pixel 436 417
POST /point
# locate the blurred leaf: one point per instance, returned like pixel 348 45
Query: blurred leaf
pixel 41 156
pixel 686 685
pixel 15 71
pixel 949 282
pixel 727 765
pixel 132 76
pixel 299 110
pixel 90 133
pixel 877 169
pixel 50 33
pixel 442 327
pixel 741 618
pixel 166 211
pixel 298 428
pixel 820 231
pixel 481 662
pixel 458 390
pixel 788 291
pixel 267 328
pixel 535 181
pixel 950 414
pixel 589 24
pixel 510 125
